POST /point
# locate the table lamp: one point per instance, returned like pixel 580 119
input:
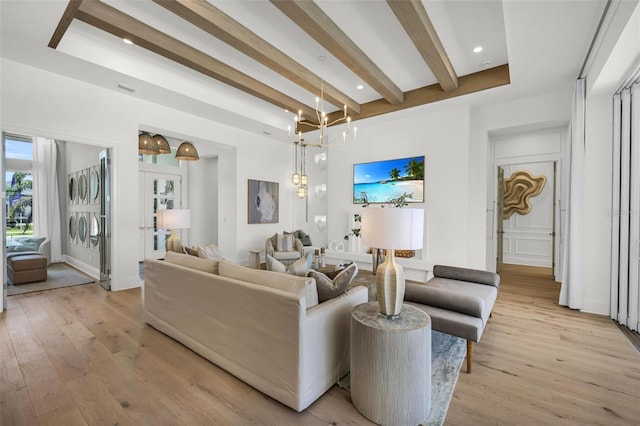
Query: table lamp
pixel 392 229
pixel 174 219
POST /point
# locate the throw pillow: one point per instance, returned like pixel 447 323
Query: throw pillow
pixel 299 267
pixel 210 252
pixel 274 264
pixel 193 251
pixel 329 288
pixel 30 244
pixel 284 242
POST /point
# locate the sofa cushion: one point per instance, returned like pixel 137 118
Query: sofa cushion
pixel 299 267
pixel 445 299
pixel 334 283
pixel 301 286
pixel 204 265
pixel 465 274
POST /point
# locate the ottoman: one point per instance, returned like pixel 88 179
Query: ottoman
pixel 26 267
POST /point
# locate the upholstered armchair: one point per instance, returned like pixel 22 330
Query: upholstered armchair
pixel 31 244
pixel 284 247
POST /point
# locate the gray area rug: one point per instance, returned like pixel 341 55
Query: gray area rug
pixel 447 355
pixel 58 275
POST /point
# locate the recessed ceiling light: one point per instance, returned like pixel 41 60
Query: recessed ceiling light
pixel 360 87
pixel 126 40
pixel 477 49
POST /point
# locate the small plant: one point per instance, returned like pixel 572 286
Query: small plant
pixel 400 201
pixel 356 230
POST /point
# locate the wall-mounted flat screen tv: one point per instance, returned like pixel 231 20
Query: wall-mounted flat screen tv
pixel 384 181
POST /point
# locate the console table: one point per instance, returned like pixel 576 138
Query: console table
pixel 391 365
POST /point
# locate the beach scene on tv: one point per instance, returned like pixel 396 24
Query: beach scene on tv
pixel 386 181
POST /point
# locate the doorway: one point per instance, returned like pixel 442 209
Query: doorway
pixel 526 235
pixel 158 191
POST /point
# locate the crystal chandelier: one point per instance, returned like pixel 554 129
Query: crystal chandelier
pixel 320 123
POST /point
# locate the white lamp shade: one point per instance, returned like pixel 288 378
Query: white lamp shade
pixel 174 219
pixel 392 228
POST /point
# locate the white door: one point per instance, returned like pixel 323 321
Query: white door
pixel 158 191
pixel 528 238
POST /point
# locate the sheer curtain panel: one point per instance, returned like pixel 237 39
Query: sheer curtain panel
pixel 46 200
pixel 571 291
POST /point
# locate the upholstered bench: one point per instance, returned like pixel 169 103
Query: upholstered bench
pixel 26 267
pixel 458 300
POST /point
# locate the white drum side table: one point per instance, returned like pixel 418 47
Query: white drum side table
pixel 391 365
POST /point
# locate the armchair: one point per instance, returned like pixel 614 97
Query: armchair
pixel 31 244
pixel 286 256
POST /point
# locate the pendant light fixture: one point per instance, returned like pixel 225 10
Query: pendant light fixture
pixel 295 177
pixel 163 144
pixel 186 151
pixel 147 145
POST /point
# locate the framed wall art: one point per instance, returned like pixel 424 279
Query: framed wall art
pixel 263 201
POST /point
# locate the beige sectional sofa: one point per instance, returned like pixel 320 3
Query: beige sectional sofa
pixel 266 328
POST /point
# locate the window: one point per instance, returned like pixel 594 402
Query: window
pixel 18 185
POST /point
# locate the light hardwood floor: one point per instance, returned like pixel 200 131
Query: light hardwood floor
pixel 81 355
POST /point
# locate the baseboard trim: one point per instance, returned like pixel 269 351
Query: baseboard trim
pixel 84 267
pixel 594 306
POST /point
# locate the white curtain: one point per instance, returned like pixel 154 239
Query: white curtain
pixel 625 245
pixel 571 292
pixel 46 200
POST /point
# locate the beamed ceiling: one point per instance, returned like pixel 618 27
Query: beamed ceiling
pixel 242 63
pixel 408 43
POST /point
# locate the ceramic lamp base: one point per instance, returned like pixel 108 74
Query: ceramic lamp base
pixel 174 243
pixel 390 286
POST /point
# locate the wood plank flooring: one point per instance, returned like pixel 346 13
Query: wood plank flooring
pixel 83 356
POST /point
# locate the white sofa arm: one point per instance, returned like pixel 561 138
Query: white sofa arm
pixel 326 342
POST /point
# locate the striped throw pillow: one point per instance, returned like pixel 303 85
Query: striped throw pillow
pixel 284 242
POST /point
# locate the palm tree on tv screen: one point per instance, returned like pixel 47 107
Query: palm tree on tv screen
pixel 394 174
pixel 415 169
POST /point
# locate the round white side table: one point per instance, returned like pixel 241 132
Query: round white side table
pixel 391 365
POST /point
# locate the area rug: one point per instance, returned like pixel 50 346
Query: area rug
pixel 58 275
pixel 447 355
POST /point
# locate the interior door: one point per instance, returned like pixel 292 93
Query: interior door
pixel 499 220
pixel 528 237
pixel 105 219
pixel 159 191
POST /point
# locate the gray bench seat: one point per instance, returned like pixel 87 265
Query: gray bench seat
pixel 458 300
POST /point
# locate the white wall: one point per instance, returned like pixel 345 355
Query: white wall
pixel 442 136
pixel 77 158
pixel 36 102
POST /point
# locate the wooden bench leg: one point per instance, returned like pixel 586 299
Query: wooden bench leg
pixel 469 355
